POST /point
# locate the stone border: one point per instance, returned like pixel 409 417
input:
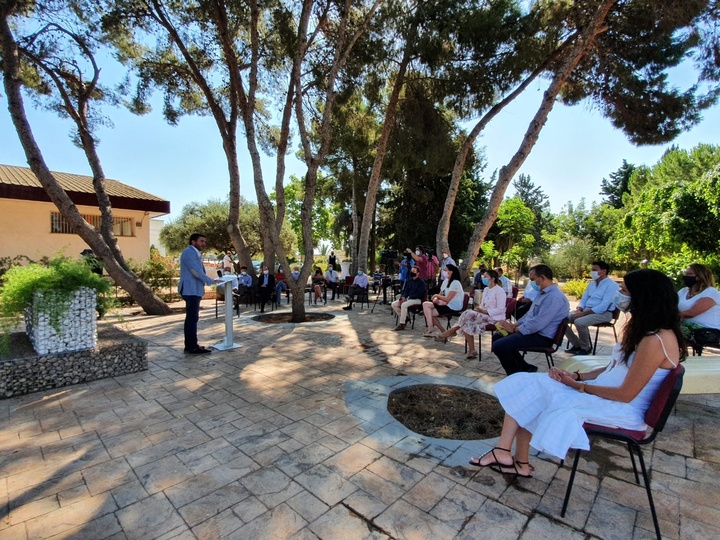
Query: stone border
pixel 20 376
pixel 367 401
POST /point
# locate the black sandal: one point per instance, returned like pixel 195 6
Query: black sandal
pixel 512 469
pixel 496 462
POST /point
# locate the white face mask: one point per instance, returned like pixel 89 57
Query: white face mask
pixel 417 252
pixel 266 272
pixel 594 274
pixel 445 255
pixel 622 301
pixel 242 272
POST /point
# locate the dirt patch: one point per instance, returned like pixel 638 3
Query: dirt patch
pixel 285 317
pixel 447 412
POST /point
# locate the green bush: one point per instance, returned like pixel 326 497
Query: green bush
pixel 157 272
pixel 61 274
pixel 574 287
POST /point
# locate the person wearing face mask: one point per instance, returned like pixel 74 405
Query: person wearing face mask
pixel 359 287
pixel 525 303
pixel 446 259
pixel 504 282
pixel 490 309
pixel 595 307
pixel 537 328
pixel 266 287
pixel 427 264
pixel 331 277
pixel 699 302
pixel 547 412
pixel 412 294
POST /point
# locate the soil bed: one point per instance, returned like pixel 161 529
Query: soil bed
pixel 447 412
pixel 277 318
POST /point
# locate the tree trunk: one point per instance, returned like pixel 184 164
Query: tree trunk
pixel 128 281
pixel 583 43
pixel 374 185
pixel 297 297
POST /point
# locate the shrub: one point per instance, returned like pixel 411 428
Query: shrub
pixel 574 287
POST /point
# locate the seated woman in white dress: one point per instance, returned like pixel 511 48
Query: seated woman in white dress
pixel 699 300
pixel 491 309
pixel 547 412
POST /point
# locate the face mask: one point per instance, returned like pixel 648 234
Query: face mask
pixel 242 272
pixel 266 272
pixel 594 274
pixel 622 301
pixel 445 255
pixel 486 281
pixel 689 280
pixel 445 274
pixel 360 272
pixel 330 268
pixel 417 252
pixel 535 285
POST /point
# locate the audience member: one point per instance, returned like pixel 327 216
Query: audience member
pixel 331 280
pixel 451 298
pixel 318 282
pixel 244 282
pixel 524 304
pixel 699 301
pixel 547 412
pixel 596 306
pixel 266 286
pixel 537 328
pixel 412 294
pixel 478 284
pixel 228 265
pixel 426 262
pixel 505 283
pixel 490 309
pixel 359 287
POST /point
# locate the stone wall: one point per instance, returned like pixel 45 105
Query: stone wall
pixel 117 353
pixel 57 324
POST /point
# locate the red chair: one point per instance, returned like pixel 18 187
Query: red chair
pixel 553 347
pixel 655 417
pixel 515 292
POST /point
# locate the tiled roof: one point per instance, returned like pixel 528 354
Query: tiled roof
pixel 21 183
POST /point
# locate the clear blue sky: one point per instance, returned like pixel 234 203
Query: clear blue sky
pixel 576 150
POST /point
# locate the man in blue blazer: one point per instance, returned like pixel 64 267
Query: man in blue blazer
pixel 192 287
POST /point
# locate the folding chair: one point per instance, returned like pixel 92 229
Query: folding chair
pixel 655 417
pixel 609 324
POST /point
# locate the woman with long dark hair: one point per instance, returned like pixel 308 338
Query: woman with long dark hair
pixel 548 413
pixel 451 298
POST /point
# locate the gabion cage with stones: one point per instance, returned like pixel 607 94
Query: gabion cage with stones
pixel 58 322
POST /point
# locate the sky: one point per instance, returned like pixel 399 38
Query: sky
pixel 577 148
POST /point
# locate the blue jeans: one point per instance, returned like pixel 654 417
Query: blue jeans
pixel 192 315
pixel 507 350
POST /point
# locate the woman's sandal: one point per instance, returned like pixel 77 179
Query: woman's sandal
pixel 512 469
pixel 476 462
pixel 472 356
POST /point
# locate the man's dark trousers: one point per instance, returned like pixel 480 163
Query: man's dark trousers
pixel 192 315
pixel 506 349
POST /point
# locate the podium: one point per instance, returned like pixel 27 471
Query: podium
pixel 228 344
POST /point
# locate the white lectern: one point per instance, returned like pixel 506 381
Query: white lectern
pixel 228 343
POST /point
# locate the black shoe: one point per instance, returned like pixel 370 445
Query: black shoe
pixel 186 349
pixel 574 350
pixel 584 352
pixel 531 368
pixel 347 308
pixel 200 350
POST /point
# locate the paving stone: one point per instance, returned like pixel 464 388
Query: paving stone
pixel 33 509
pixel 280 522
pixel 395 472
pixel 352 460
pixel 303 459
pixel 105 476
pixel 339 522
pixel 69 517
pixel 403 520
pixel 128 493
pixel 604 512
pixel 271 486
pixel 214 503
pixel 492 516
pixel 249 509
pixel 307 505
pixel 428 491
pixel 542 528
pixel 325 484
pixel 689 528
pixel 163 473
pixel 365 504
pixel 224 525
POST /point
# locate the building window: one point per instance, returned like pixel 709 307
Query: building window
pixel 121 226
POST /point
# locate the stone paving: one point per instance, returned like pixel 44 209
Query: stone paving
pixel 288 437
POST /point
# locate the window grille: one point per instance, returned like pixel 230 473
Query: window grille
pixel 122 226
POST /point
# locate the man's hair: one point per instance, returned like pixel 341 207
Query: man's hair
pixel 195 236
pixel 499 270
pixel 543 270
pixel 602 264
pixel 243 268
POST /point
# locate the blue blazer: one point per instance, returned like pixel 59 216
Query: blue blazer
pixel 192 274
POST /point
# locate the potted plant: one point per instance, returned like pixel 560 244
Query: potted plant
pixel 59 302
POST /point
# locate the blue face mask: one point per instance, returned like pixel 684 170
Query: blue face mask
pixel 535 285
pixel 622 301
pixel 486 281
pixel 360 272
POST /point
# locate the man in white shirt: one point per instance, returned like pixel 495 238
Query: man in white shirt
pixel 505 282
pixel 227 263
pixel 331 277
pixel 596 306
pixel 359 287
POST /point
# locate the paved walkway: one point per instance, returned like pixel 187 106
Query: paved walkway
pixel 288 437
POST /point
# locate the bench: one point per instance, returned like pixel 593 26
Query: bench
pixel 702 373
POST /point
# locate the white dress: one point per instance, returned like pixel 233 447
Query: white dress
pixel 555 413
